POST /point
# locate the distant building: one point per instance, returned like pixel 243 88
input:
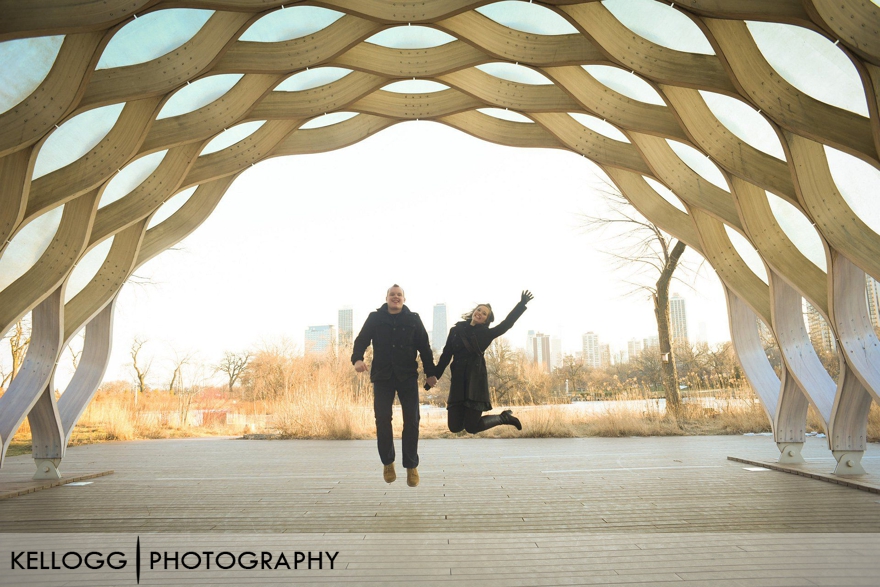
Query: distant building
pixel 345 323
pixel 555 352
pixel 678 317
pixel 540 346
pixel 872 291
pixel 530 355
pixel 592 358
pixel 634 348
pixel 652 343
pixel 320 339
pixel 440 331
pixel 702 332
pixel 820 332
pixel 605 355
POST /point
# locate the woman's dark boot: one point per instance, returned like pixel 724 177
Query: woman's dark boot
pixel 507 417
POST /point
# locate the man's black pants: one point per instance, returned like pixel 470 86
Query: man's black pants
pixel 383 397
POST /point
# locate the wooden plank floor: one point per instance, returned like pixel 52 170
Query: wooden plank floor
pixel 591 511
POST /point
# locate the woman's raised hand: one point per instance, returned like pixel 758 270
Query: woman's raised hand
pixel 526 297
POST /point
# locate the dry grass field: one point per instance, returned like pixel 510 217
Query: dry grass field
pixel 324 414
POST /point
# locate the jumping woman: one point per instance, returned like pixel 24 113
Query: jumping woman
pixel 469 386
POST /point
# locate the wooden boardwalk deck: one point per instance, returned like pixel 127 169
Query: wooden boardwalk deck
pixel 592 511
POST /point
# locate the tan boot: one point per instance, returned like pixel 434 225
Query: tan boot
pixel 412 477
pixel 389 473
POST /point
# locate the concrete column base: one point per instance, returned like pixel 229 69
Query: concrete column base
pixel 849 462
pixel 790 453
pixel 47 469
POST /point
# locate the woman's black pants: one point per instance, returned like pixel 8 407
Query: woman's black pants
pixel 461 418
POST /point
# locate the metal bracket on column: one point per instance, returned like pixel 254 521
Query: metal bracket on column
pixel 849 462
pixel 790 453
pixel 47 469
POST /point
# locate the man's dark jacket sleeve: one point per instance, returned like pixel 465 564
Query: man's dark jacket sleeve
pixel 364 338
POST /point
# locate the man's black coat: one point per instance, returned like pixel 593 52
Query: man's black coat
pixel 396 338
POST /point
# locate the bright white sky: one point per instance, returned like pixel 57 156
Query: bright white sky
pixel 449 217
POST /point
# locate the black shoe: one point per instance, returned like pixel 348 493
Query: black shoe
pixel 507 417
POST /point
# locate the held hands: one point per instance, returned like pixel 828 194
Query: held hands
pixel 360 367
pixel 526 297
pixel 430 382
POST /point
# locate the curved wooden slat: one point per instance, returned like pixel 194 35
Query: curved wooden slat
pixel 602 150
pixel 653 61
pixel 98 165
pixel 335 96
pixel 685 182
pixel 787 11
pixel 849 314
pixel 849 418
pixel 15 184
pixel 818 193
pixel 409 63
pixel 212 118
pixel 506 94
pixel 776 248
pixel 90 370
pixel 330 138
pixel 786 105
pixel 185 220
pixel 35 374
pixel 797 350
pixel 734 154
pixel 732 270
pixel 415 106
pixel 750 352
pixel 297 54
pixel 652 206
pixel 614 107
pixel 502 132
pixel 517 46
pixel 28 121
pixel 170 71
pixel 148 196
pixel 790 424
pixel 241 155
pixel 856 24
pixel 107 282
pixel 37 18
pixel 50 270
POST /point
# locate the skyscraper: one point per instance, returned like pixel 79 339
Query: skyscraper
pixel 592 357
pixel 634 348
pixel 605 354
pixel 538 350
pixel 820 332
pixel 320 339
pixel 439 332
pixel 530 355
pixel 346 326
pixel 678 317
pixel 555 352
pixel 872 291
pixel 652 343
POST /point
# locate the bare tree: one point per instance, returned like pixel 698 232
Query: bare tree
pixel 19 340
pixel 176 378
pixel 233 365
pixel 141 370
pixel 501 366
pixel 642 248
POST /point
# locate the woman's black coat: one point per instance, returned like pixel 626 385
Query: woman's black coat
pixel 465 346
